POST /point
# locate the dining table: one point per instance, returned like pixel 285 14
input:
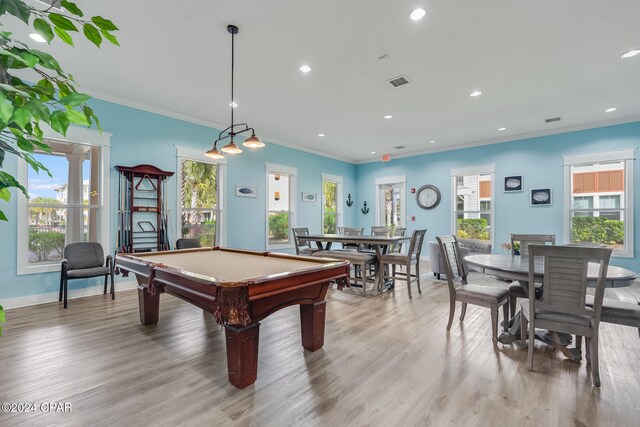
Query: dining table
pixel 380 244
pixel 515 267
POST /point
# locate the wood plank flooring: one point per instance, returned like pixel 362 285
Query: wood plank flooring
pixel 387 361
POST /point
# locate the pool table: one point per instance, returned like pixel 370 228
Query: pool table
pixel 239 288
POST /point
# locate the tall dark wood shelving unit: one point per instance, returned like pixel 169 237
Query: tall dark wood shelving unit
pixel 142 213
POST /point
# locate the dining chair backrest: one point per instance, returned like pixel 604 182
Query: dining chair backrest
pixel 530 239
pixel 564 285
pixel 300 231
pixel 415 246
pixel 381 231
pixel 454 268
pixel 187 243
pixel 398 232
pixel 340 230
pixel 351 231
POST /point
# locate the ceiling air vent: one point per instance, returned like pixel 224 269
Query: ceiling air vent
pixel 399 147
pixel 398 81
pixel 552 119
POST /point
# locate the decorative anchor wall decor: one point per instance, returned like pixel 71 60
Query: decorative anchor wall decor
pixel 349 201
pixel 365 209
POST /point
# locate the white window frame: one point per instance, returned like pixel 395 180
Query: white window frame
pixel 80 136
pixel 184 153
pixel 387 180
pixel 487 169
pixel 339 183
pixel 626 155
pixel 273 168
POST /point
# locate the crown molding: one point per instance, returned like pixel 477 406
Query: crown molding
pixel 198 121
pixel 514 138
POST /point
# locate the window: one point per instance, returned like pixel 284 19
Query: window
pixel 598 206
pixel 473 202
pixel 67 207
pixel 200 197
pixel 331 203
pixel 199 201
pixel 280 205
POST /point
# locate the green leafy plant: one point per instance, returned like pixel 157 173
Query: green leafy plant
pixel 54 98
pixel 473 228
pixel 279 226
pixel 46 245
pixel 597 230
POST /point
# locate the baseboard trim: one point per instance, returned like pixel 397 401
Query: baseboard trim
pixel 28 300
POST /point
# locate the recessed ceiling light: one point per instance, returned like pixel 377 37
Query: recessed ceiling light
pixel 631 53
pixel 37 37
pixel 475 93
pixel 233 105
pixel 433 141
pixel 417 14
pixel 373 152
pixel 388 116
pixel 305 68
pixel 610 110
pixel 501 129
pixel 321 134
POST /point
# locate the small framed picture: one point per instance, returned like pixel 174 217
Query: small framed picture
pixel 541 197
pixel 512 184
pixel 309 197
pixel 244 191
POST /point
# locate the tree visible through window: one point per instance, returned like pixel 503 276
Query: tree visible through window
pixel 330 207
pixel 199 196
pixel 63 208
pixel 279 215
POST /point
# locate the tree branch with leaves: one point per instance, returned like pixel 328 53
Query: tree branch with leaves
pixel 54 98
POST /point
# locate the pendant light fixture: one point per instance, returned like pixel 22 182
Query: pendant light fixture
pixel 235 129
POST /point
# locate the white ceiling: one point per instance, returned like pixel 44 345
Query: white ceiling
pixel 531 60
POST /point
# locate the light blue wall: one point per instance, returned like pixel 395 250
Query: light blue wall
pixel 142 137
pixel 539 160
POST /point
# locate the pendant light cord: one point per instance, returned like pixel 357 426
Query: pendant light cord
pixel 232 66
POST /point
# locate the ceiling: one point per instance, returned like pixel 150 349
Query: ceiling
pixel 531 60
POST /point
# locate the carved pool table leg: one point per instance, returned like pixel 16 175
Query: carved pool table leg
pixel 242 354
pixel 149 306
pixel 312 322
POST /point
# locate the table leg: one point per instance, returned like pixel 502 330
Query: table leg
pixel 242 354
pixel 312 318
pixel 149 306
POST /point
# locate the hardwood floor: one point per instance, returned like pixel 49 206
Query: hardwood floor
pixel 387 361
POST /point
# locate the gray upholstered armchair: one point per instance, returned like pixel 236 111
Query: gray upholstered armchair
pixel 83 260
pixel 467 246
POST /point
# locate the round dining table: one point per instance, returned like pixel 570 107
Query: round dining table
pixel 517 268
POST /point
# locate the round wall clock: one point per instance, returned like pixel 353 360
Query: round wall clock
pixel 428 196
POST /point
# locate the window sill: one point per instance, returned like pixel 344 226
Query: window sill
pixel 37 269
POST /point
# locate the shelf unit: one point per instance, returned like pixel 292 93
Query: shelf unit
pixel 142 213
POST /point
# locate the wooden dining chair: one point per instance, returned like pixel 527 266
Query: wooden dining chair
pixel 562 307
pixel 352 231
pixel 484 296
pixel 411 258
pixel 302 248
pixel 516 289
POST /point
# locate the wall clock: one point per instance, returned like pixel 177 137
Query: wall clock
pixel 428 196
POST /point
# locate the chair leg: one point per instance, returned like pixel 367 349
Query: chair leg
pixel 438 276
pixel 106 277
pixel 61 281
pixel 452 311
pixel 463 311
pixel 513 305
pixel 595 368
pixel 363 269
pixel 532 333
pixel 113 288
pixel 588 349
pixel 418 276
pixel 409 281
pixel 494 322
pixel 65 294
pixel 579 344
pixel 524 323
pixel 505 311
